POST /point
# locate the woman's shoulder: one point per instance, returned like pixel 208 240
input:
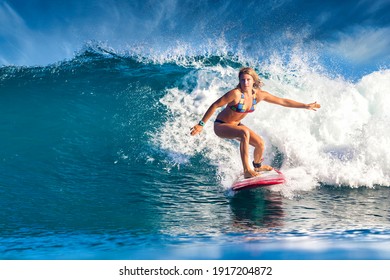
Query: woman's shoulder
pixel 232 95
pixel 234 92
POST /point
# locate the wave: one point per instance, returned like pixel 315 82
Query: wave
pixel 137 109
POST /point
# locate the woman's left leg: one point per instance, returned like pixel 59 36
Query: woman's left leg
pixel 258 143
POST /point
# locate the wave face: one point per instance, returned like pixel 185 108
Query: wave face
pixel 96 159
pixel 102 107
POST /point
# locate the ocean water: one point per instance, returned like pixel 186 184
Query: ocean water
pixel 96 160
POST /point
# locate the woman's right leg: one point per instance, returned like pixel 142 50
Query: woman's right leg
pixel 242 133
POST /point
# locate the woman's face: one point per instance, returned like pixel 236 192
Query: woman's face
pixel 246 81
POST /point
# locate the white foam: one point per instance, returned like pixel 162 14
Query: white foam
pixel 343 143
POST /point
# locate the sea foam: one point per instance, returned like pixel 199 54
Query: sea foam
pixel 344 143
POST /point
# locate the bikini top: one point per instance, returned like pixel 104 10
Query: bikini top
pixel 240 106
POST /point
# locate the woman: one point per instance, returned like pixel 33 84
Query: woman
pixel 241 101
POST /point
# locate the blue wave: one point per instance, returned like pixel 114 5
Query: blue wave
pixel 118 107
pixel 96 157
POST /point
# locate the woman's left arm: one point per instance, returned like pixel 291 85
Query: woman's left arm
pixel 288 102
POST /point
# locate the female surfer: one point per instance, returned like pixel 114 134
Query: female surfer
pixel 240 101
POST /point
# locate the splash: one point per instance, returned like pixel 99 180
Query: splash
pixel 343 144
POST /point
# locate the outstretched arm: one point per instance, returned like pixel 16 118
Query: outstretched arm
pixel 290 103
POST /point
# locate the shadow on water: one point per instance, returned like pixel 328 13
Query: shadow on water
pixel 257 208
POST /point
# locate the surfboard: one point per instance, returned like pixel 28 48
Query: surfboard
pixel 266 178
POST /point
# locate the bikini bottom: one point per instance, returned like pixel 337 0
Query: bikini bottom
pixel 219 121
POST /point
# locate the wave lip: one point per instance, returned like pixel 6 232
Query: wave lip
pixel 348 35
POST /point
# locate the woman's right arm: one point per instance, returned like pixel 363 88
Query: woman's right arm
pixel 225 99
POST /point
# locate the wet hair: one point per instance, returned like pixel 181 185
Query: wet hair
pixel 250 71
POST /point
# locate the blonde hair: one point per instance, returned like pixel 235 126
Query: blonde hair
pixel 250 71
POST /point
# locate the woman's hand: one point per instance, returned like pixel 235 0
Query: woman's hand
pixel 313 106
pixel 196 129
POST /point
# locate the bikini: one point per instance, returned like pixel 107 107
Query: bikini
pixel 240 106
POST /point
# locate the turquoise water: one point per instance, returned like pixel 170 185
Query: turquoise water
pixel 96 160
pixel 87 173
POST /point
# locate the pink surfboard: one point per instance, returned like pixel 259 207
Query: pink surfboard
pixel 266 178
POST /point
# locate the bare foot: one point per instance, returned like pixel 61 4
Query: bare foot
pixel 250 173
pixel 264 168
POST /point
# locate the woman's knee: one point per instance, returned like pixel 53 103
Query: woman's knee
pixel 261 143
pixel 258 142
pixel 245 134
